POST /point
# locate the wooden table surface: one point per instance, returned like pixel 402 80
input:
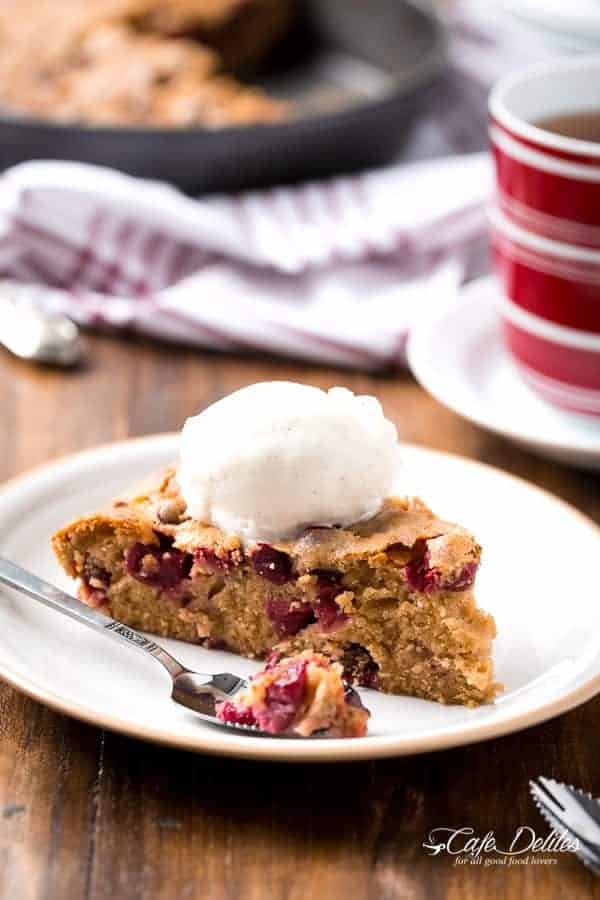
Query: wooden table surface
pixel 91 814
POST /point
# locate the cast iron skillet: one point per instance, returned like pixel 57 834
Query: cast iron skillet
pixel 356 70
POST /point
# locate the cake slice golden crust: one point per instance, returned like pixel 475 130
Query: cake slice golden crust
pixel 390 598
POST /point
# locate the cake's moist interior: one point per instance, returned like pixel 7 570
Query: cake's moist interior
pixel 304 694
pixel 391 599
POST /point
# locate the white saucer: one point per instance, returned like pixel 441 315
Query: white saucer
pixel 456 352
pixel 547 652
pixel 580 19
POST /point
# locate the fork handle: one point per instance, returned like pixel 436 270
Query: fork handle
pixel 21 580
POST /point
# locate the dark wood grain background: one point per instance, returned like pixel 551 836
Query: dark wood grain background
pixel 91 814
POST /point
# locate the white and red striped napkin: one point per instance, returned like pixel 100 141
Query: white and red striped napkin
pixel 334 271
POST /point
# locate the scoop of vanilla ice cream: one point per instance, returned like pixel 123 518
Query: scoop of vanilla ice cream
pixel 273 458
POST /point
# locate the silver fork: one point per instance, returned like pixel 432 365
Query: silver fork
pixel 573 813
pixel 194 690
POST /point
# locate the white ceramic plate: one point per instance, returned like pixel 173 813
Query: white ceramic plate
pixel 456 352
pixel 547 653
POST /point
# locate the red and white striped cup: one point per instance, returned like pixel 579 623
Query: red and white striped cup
pixel 545 230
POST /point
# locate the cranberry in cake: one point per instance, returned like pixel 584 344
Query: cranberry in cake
pixel 279 531
pixel 303 694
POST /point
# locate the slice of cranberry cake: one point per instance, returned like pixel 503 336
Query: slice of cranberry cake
pixel 390 598
pixel 303 694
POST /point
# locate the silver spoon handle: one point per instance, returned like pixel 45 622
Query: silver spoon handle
pixel 32 333
pixel 27 583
